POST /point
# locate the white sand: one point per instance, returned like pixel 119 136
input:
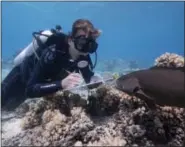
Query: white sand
pixel 10 127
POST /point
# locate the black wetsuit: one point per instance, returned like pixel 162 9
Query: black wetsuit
pixel 36 78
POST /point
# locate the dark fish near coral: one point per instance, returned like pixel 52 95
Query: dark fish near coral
pixel 156 85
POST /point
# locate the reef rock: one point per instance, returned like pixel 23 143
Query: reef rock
pixel 110 117
pixel 118 119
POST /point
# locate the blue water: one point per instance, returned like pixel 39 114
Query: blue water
pixel 131 30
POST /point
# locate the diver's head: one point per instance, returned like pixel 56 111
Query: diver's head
pixel 84 36
pixel 58 28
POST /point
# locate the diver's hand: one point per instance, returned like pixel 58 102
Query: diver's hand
pixel 72 80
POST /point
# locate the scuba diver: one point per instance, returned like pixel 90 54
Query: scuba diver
pixel 52 61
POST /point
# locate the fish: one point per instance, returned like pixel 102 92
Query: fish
pixel 156 85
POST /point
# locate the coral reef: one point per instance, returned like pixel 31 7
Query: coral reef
pixel 110 118
pixel 170 60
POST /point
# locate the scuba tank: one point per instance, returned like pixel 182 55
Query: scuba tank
pixel 38 42
pixel 39 38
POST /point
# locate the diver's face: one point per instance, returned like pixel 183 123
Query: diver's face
pixel 81 38
pixel 73 51
pixel 84 41
pixel 81 32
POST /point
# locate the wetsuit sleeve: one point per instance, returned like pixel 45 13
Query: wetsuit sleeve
pixel 87 72
pixel 36 85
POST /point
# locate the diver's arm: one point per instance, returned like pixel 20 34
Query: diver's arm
pixel 87 72
pixel 35 85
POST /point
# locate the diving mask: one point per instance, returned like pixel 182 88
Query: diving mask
pixel 85 44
